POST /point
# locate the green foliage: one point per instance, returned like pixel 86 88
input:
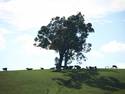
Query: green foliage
pixel 66 36
pixel 68 82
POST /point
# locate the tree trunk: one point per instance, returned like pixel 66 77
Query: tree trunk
pixel 60 61
pixel 66 60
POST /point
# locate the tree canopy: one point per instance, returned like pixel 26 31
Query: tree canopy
pixel 67 36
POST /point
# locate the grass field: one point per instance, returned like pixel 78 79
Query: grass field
pixel 67 82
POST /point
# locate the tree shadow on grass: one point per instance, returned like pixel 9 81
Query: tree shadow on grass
pixel 75 79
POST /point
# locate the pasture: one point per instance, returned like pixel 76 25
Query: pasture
pixel 102 81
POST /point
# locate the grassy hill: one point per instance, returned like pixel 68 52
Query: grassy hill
pixel 67 82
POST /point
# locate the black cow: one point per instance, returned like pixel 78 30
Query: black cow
pixel 29 68
pixel 77 67
pixel 70 67
pixel 92 68
pixel 114 66
pixel 4 69
pixel 42 68
pixel 67 67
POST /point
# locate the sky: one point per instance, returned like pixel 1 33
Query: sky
pixel 20 21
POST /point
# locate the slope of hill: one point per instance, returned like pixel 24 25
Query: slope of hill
pixel 67 82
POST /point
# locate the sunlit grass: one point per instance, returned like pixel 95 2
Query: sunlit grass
pixel 48 82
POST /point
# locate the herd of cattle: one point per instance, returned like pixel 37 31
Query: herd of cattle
pixel 77 67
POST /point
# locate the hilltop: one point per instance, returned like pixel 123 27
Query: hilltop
pixel 102 81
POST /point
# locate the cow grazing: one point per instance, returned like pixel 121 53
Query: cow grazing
pixel 4 69
pixel 91 68
pixel 70 67
pixel 95 68
pixel 29 68
pixel 114 66
pixel 42 68
pixel 77 67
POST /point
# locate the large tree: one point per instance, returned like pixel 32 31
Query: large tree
pixel 67 36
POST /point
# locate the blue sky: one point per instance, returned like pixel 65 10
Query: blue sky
pixel 21 19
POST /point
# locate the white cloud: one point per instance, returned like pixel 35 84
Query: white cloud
pixel 94 58
pixel 26 14
pixel 37 57
pixel 4 31
pixel 26 42
pixel 95 55
pixel 2 41
pixel 113 47
pixel 4 0
pixel 101 56
pixel 2 37
pixel 102 21
pixel 118 5
pixel 120 65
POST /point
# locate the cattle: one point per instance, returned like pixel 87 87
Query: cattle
pixel 4 69
pixel 70 67
pixel 67 67
pixel 114 66
pixel 91 68
pixel 42 68
pixel 95 68
pixel 77 67
pixel 64 67
pixel 29 68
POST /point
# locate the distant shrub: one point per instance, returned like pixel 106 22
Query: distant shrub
pixel 53 68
